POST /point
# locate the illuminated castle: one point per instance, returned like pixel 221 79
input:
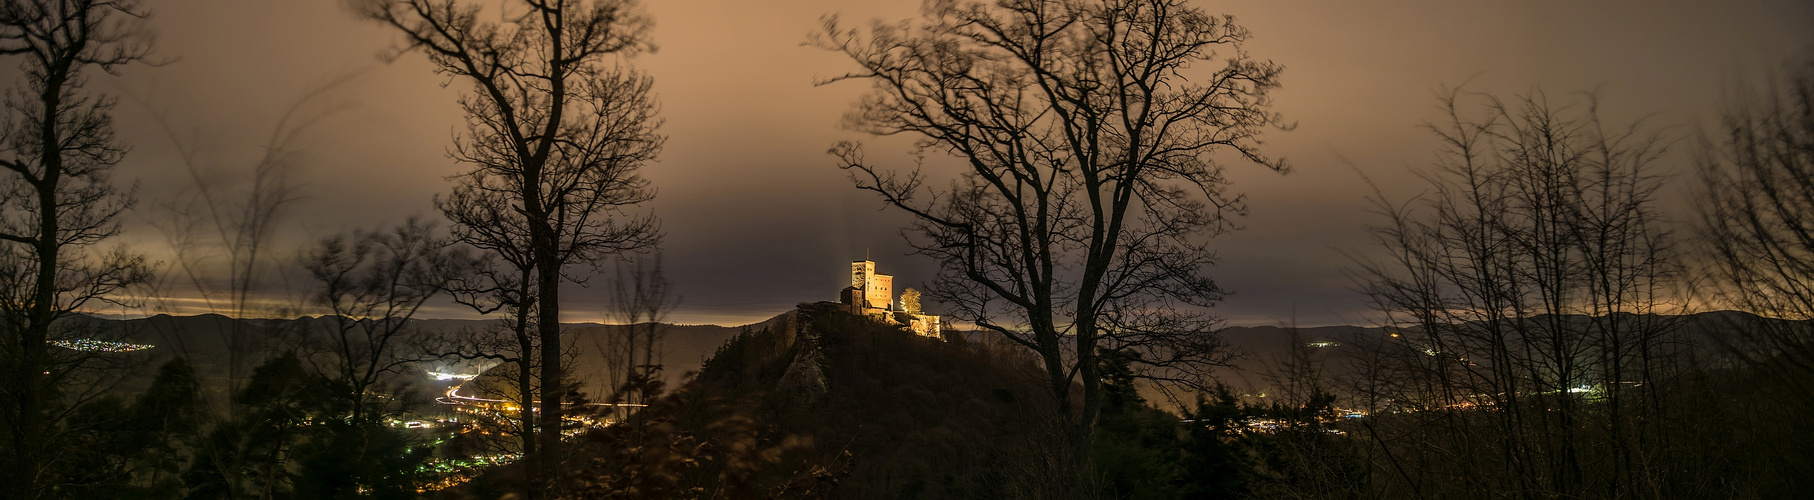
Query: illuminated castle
pixel 872 294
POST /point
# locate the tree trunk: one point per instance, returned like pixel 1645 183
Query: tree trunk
pixel 548 324
pixel 34 338
pixel 526 393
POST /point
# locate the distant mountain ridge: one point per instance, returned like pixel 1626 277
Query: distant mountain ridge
pixel 205 339
pixel 208 340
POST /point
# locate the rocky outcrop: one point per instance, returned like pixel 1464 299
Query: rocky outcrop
pixel 804 381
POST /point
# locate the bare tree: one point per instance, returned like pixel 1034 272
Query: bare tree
pixel 1530 296
pixel 1758 221
pixel 503 280
pixel 226 247
pixel 57 204
pixel 642 299
pixel 372 284
pixel 554 128
pixel 1757 226
pixel 1089 133
pixel 225 230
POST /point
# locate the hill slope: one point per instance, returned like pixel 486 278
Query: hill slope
pixel 821 397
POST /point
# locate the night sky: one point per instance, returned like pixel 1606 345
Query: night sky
pixel 758 218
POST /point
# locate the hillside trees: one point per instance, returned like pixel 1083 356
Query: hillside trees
pixel 253 455
pixel 1091 136
pixel 555 128
pixel 1535 278
pixel 164 426
pixel 57 206
pixel 311 419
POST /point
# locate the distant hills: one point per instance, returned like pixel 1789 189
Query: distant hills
pixel 209 339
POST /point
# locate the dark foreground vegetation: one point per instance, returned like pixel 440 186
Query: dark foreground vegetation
pixel 824 404
pixel 1545 330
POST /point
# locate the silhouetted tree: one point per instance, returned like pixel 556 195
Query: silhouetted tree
pixel 57 204
pixel 226 240
pixel 372 283
pixel 225 236
pixel 1299 457
pixel 1530 294
pixel 1213 464
pixel 503 280
pixel 1757 223
pixel 555 128
pixel 359 460
pixel 166 423
pixel 1088 132
pixel 1758 219
pixel 1137 451
pixel 641 298
pixel 255 453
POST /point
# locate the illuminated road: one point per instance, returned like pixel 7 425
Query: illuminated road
pixel 453 397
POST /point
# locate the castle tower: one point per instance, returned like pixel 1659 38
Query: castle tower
pixel 877 289
pixel 860 271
